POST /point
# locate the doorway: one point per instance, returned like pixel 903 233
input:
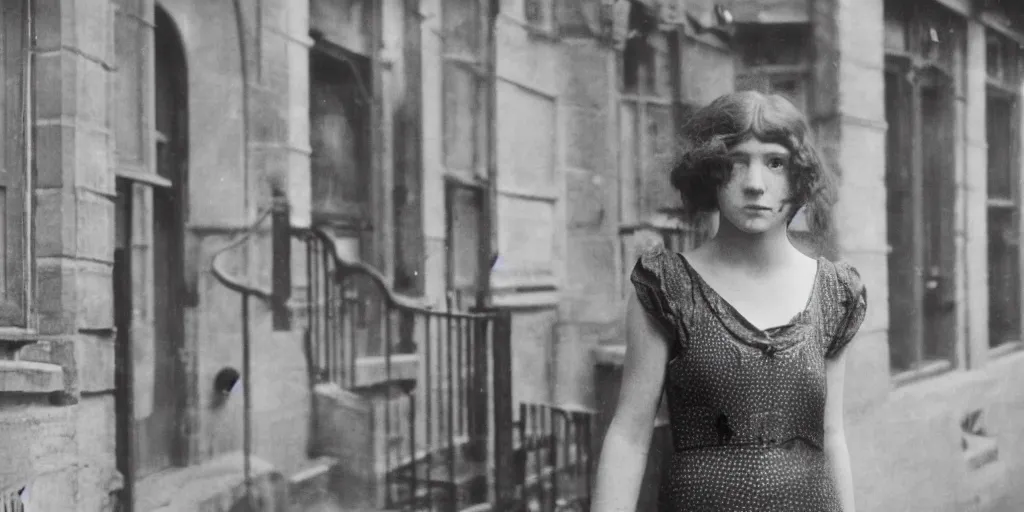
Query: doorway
pixel 150 380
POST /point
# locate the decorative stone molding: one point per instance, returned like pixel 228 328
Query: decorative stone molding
pixel 30 377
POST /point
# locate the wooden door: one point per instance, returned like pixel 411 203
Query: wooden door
pixel 158 378
pixel 123 368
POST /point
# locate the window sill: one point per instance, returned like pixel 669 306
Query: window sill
pixel 926 370
pixel 1005 349
pixel 613 355
pixel 30 377
pixel 13 339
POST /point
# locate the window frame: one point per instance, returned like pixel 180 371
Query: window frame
pixel 926 343
pixel 357 220
pixel 469 57
pixel 542 20
pixel 799 70
pixel 473 63
pixel 18 319
pixel 1004 85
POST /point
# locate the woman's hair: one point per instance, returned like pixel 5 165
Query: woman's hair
pixel 733 118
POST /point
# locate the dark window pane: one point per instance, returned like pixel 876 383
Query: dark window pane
pixel 464 209
pixel 773 45
pixel 339 138
pixel 461 27
pixel 999 118
pixel 903 348
pixel 460 117
pixel 1003 276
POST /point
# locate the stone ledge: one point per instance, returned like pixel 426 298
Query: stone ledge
pixel 610 355
pixel 30 377
pixel 217 485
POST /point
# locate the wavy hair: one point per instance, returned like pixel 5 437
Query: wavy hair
pixel 770 118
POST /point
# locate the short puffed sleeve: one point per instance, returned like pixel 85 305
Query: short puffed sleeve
pixel 853 307
pixel 650 278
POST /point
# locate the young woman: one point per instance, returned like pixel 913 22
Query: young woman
pixel 743 335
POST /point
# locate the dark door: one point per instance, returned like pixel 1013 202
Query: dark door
pixel 158 377
pixel 123 375
pixel 339 117
pixel 342 199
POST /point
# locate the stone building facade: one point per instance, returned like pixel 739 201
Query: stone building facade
pixel 130 164
pixel 916 105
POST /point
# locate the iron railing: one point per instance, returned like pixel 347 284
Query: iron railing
pixel 680 237
pixel 246 293
pixel 440 380
pixel 554 460
pixel 439 373
pixel 11 501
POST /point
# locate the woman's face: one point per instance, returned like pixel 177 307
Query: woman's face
pixel 755 197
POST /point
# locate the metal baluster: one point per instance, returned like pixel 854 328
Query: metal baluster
pixel 428 348
pixel 451 409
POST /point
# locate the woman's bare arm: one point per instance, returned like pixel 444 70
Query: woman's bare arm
pixel 628 439
pixel 835 431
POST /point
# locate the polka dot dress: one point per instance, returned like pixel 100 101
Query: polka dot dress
pixel 747 405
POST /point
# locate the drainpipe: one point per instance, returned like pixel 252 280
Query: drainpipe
pixel 382 188
pixel 487 249
pixel 243 51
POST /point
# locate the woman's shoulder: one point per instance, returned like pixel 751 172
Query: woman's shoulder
pixel 847 277
pixel 848 288
pixel 661 269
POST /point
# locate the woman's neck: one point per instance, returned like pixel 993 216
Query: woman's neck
pixel 755 252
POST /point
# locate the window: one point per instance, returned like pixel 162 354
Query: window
pixel 775 59
pixel 539 14
pixel 650 111
pixel 340 141
pixel 463 84
pixel 922 80
pixel 1002 63
pixel 647 143
pixel 14 224
pixel 640 45
pixel 463 210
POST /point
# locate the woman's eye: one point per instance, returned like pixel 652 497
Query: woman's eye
pixel 776 163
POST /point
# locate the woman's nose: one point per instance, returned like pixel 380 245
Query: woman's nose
pixel 753 179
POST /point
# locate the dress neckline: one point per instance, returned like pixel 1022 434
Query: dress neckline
pixel 774 338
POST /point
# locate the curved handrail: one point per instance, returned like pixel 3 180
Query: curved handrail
pixel 391 297
pixel 232 283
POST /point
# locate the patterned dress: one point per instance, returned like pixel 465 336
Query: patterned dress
pixel 747 405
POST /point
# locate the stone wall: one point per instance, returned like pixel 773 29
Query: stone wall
pixel 906 441
pixel 64 454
